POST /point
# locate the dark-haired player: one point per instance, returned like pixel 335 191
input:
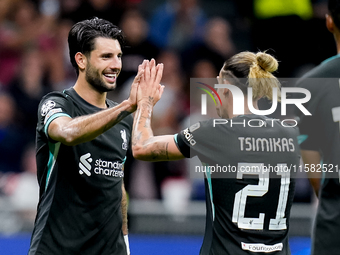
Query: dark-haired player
pixel 321 140
pixel 82 139
pixel 248 209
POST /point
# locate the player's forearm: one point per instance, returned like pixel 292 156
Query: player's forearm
pixel 124 211
pixel 312 158
pixel 141 131
pixel 86 128
pixel 315 181
pixel 144 145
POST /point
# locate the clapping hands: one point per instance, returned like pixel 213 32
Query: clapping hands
pixel 146 86
pixel 149 89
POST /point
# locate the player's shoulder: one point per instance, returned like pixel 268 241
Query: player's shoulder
pixel 54 94
pixel 329 68
pixel 201 126
pixel 52 98
pixel 200 130
pixel 325 75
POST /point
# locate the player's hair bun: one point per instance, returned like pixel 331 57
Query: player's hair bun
pixel 257 68
pixel 266 62
pixel 261 78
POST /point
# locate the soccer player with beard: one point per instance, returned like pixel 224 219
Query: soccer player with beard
pixel 81 143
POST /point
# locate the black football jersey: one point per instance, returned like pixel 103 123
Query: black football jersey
pixel 320 132
pixel 79 210
pixel 249 179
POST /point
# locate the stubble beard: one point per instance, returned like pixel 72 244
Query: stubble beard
pixel 92 76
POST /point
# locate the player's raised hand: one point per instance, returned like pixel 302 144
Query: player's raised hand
pixel 134 86
pixel 149 89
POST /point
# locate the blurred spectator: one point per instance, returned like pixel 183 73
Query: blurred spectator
pixel 10 42
pixel 71 10
pixel 49 8
pixel 166 117
pixel 22 189
pixel 59 69
pixel 112 10
pixel 26 28
pixel 12 140
pixel 5 9
pixel 27 89
pixel 138 48
pixel 218 37
pixel 105 9
pixel 216 47
pixel 177 23
pixel 204 69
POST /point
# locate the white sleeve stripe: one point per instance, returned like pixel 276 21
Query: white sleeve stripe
pixel 53 117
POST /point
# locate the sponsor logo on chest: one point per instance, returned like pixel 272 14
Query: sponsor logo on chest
pixel 100 167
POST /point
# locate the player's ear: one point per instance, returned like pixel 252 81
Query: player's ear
pixel 81 60
pixel 226 91
pixel 330 23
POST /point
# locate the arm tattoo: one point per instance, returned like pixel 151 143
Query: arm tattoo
pixel 161 150
pixel 142 135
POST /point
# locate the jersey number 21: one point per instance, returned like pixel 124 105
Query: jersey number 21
pixel 279 223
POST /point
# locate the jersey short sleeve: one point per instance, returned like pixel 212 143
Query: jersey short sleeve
pixel 189 141
pixel 52 106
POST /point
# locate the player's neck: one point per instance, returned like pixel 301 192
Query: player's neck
pixel 89 94
pixel 336 34
pixel 338 46
pixel 246 109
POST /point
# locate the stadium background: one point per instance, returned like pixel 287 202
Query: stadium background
pixel 192 38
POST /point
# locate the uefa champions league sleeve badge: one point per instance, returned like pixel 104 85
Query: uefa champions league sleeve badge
pixel 46 107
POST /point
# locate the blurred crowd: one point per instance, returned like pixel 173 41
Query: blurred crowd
pixel 191 37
